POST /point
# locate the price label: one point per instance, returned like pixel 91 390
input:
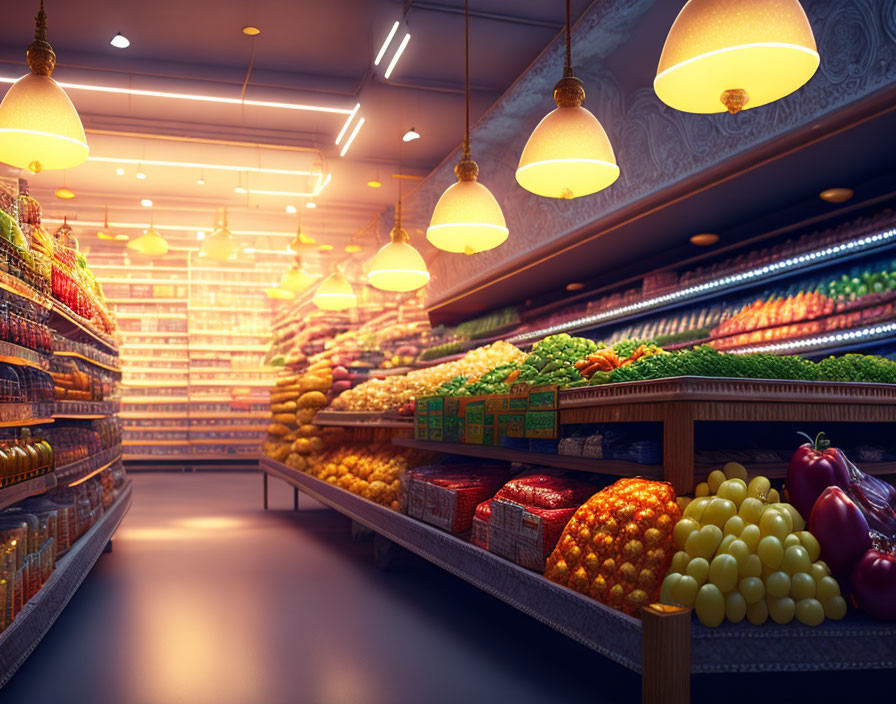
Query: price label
pixel 543 398
pixel 475 422
pixel 436 417
pixel 541 424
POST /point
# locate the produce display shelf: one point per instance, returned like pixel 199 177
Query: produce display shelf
pixel 137 415
pixel 66 317
pixel 17 287
pixel 22 636
pixel 661 654
pixel 616 468
pixel 710 290
pixel 25 421
pixel 13 494
pixel 229 348
pixel 362 420
pixel 678 403
pixel 152 441
pixel 832 342
pixel 144 301
pixel 77 355
pixel 155 399
pixel 19 360
pixel 102 459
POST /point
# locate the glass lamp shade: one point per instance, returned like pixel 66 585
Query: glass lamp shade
pixel 567 156
pixel 296 280
pixel 335 293
pixel 467 219
pixel 149 244
pixel 398 266
pixel 301 242
pixel 39 127
pixel 279 293
pixel 219 246
pixel 731 55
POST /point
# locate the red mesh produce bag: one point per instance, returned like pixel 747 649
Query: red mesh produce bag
pixel 479 536
pixel 618 545
pixel 447 497
pixel 545 491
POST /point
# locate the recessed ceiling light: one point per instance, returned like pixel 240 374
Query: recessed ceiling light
pixel 141 175
pixel 119 171
pixel 146 203
pixel 374 184
pixel 311 204
pixel 704 239
pixel 251 31
pixel 200 235
pixel 575 286
pixel 239 189
pixel 291 209
pixel 64 193
pixel 410 135
pixel 119 41
pixel 836 195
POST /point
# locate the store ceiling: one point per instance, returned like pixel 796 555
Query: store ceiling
pixel 311 53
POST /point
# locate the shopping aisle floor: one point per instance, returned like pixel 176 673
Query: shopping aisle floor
pixel 208 599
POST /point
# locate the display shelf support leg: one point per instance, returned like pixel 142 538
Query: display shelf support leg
pixel 678 448
pixel 264 482
pixel 666 655
pixel 295 499
pixel 383 551
pixel 108 547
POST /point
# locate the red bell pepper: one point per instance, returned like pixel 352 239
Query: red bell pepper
pixel 813 468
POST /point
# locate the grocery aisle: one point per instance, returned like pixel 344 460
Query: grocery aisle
pixel 208 599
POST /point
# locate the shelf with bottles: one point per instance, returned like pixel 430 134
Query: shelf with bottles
pixel 152 415
pixel 131 400
pixel 24 455
pixel 153 292
pixel 139 346
pixel 131 383
pixel 261 413
pixel 227 348
pixel 154 442
pixel 85 410
pixel 132 437
pixel 136 373
pixel 229 309
pixel 22 356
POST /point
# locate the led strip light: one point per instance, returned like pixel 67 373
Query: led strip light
pixel 716 285
pixel 197 165
pixel 822 341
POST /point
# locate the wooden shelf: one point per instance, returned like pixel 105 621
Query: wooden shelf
pixel 18 357
pixel 154 399
pixel 67 322
pixel 138 457
pixel 77 355
pixel 13 494
pixel 79 475
pixel 853 643
pixel 21 638
pixel 144 443
pixel 28 421
pixel 616 468
pixel 346 419
pixel 125 415
pixel 164 384
pixel 228 348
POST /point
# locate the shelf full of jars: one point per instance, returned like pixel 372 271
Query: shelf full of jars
pixel 194 335
pixel 60 435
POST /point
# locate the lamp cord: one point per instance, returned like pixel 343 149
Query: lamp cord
pixel 567 69
pixel 466 149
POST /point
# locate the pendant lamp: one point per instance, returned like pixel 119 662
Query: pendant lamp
pixel 220 245
pixel 302 242
pixel 569 154
pixel 335 293
pixel 398 266
pixel 733 55
pixel 296 280
pixel 39 127
pixel 149 244
pixel 467 217
pixel 105 234
pixel 279 293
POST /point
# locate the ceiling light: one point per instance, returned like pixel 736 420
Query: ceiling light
pixel 64 193
pixel 352 248
pixel 140 175
pixel 251 31
pixel 279 293
pixel 568 155
pixel 729 55
pixel 200 181
pixel 146 203
pixel 325 247
pixel 104 233
pixel 311 205
pixel 335 293
pixel 347 122
pixel 382 51
pixel 119 41
pixel 575 286
pixel 39 126
pixel 301 242
pixel 296 280
pixel 239 189
pixel 119 171
pixel 398 266
pixel 190 96
pixel 410 135
pixel 704 239
pixel 467 218
pixel 149 244
pixel 220 245
pixel 291 209
pixel 321 185
pixel 836 195
pixel 374 184
pixel 191 165
pixel 398 53
pixel 351 137
pixel 200 235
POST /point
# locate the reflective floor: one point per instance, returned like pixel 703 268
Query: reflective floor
pixel 207 598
